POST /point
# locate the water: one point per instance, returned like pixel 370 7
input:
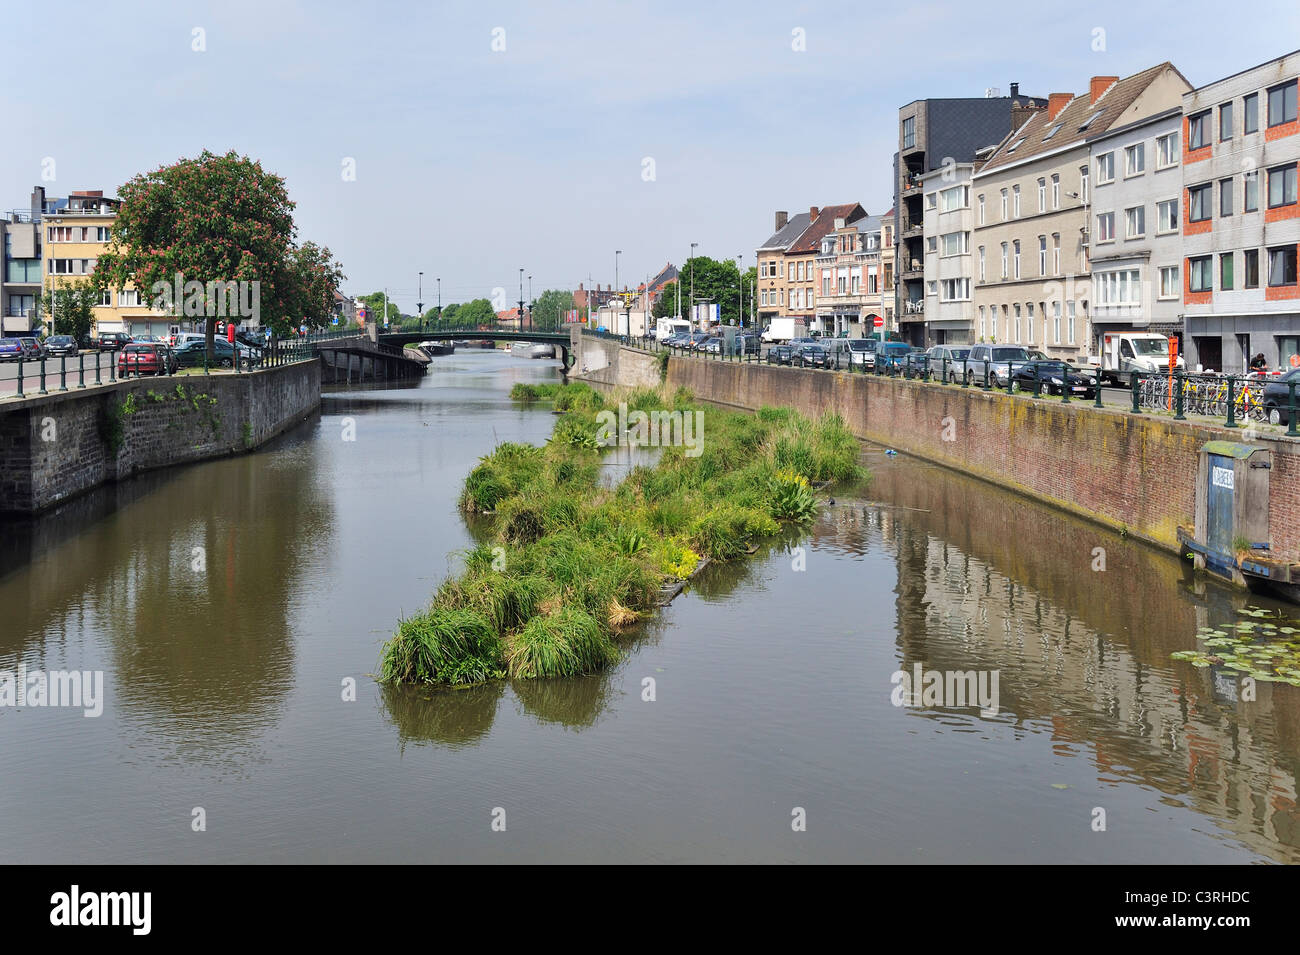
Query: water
pixel 225 670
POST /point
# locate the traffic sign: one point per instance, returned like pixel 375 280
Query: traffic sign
pixel 880 322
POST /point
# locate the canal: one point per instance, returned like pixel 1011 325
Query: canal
pixel 230 605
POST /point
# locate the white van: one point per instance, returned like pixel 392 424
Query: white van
pixel 1123 353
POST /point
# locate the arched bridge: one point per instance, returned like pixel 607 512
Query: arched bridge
pixel 561 340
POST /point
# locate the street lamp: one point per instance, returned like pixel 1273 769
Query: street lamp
pixel 419 303
pixel 617 253
pixel 531 302
pixel 439 301
pixel 740 266
pixel 693 245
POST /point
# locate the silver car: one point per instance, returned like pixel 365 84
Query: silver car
pixel 1000 361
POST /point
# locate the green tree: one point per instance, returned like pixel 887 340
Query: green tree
pixel 374 303
pixel 210 219
pixel 549 309
pixel 476 314
pixel 714 282
pixel 72 310
pixel 314 278
pixel 450 316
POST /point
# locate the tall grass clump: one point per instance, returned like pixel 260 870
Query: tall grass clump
pixel 567 565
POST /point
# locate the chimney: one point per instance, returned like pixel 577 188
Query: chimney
pixel 812 213
pixel 781 219
pixel 1015 90
pixel 1057 102
pixel 1099 85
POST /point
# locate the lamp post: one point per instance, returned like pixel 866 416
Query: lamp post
pixel 521 300
pixel 617 253
pixel 531 301
pixel 740 265
pixel 693 245
pixel 439 301
pixel 419 303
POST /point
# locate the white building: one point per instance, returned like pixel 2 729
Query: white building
pixel 949 263
pixel 1241 220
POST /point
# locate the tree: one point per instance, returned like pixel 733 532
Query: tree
pixel 314 278
pixel 374 303
pixel 214 220
pixel 476 314
pixel 714 282
pixel 549 309
pixel 73 310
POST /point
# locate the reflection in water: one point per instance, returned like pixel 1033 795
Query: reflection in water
pixel 577 702
pixel 447 717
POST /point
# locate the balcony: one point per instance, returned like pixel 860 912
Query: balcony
pixel 911 184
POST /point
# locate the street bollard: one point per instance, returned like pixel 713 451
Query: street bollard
pixel 63 373
pixel 20 377
pixel 1290 409
pixel 1065 383
pixel 1096 393
pixel 1038 386
pixel 943 370
pixel 98 380
pixel 81 370
pixel 986 374
pixel 1136 382
pixel 43 391
pixel 1178 398
pixel 1232 405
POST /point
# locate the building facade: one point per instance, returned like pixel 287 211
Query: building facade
pixel 20 273
pixel 1136 267
pixel 1241 221
pixel 932 134
pixel 1035 225
pixel 949 263
pixel 771 265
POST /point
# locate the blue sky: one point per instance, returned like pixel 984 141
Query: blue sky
pixel 471 163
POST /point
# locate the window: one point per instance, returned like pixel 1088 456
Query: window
pixel 106 298
pixel 1281 186
pixel 1042 255
pixel 1083 184
pixel 1016 145
pixel 958 197
pixel 1053 131
pixel 1056 322
pixel 1169 281
pixel 932 200
pixel 1090 120
pixel 954 290
pixel 909 132
pixel 1135 222
pixel 1225 197
pixel 1281 264
pixel 1225 122
pixel 1123 287
pixel 981 263
pixel 956 243
pixel 1199 276
pixel 931 288
pixel 1135 159
pixel 1106 227
pixel 1070 307
pixel 1029 316
pixel 1042 195
pixel 981 209
pixel 1281 104
pixel 1004 205
pixel 1017 309
pixel 128 298
pixel 1016 243
pixel 1167 151
pixel 1167 216
pixel 1198 130
pixel 932 244
pixel 1225 272
pixel 1015 201
pixel 1056 190
pixel 1004 260
pixel 1198 203
pixel 1250 191
pixel 1250 114
pixel 1056 253
pixel 983 327
pixel 1250 269
pixel 1105 168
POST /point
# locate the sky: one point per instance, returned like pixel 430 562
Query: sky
pixel 469 140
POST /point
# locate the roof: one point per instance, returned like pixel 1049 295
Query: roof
pixel 667 274
pixel 1035 136
pixel 811 239
pixel 787 234
pixel 869 224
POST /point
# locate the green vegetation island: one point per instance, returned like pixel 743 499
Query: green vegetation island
pixel 572 564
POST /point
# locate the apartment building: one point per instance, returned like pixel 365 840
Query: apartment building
pixel 949 263
pixel 771 265
pixel 932 134
pixel 1241 221
pixel 850 278
pixel 20 274
pixel 1136 244
pixel 801 281
pixel 1034 223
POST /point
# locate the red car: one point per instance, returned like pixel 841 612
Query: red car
pixel 141 358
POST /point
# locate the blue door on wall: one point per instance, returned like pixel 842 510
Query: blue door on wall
pixel 1218 514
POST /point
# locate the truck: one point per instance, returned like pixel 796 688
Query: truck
pixel 667 327
pixel 784 329
pixel 1123 353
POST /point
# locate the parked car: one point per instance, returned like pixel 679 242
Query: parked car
pixel 191 354
pixel 748 344
pixel 144 358
pixel 948 361
pixel 1001 359
pixel 1277 396
pixel 181 338
pixel 112 341
pixel 1053 377
pixel 780 355
pixel 813 356
pixel 711 345
pixel 678 340
pixel 916 364
pixel 61 345
pixel 806 340
pixel 32 348
pixel 862 351
pixel 890 355
pixel 11 349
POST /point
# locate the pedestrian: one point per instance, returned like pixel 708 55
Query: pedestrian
pixel 1259 364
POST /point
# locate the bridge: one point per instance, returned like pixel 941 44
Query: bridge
pixel 561 340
